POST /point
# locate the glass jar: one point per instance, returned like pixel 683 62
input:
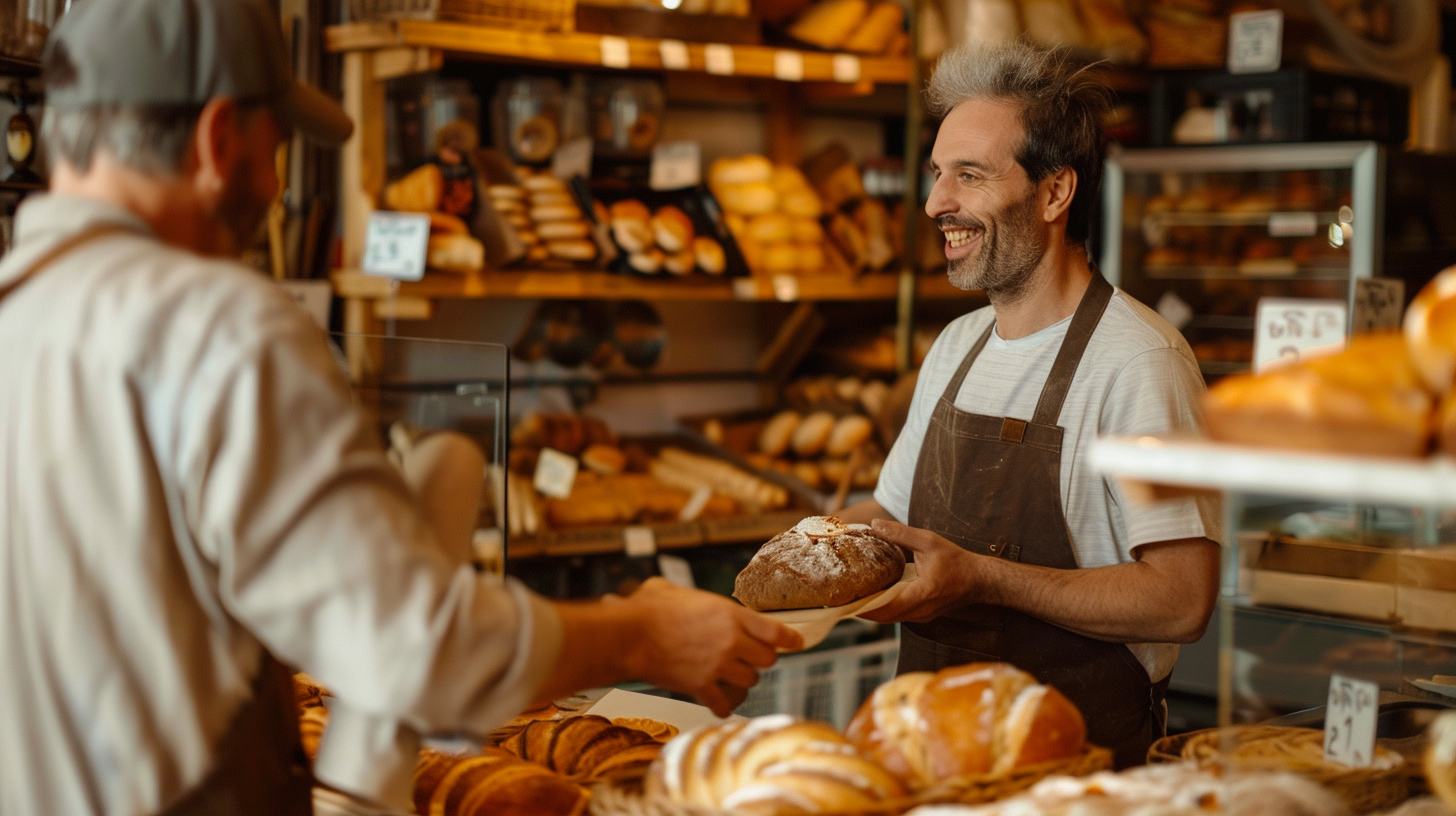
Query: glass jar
pixel 626 117
pixel 527 118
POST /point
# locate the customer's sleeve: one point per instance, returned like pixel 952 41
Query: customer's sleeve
pixel 1159 392
pixel 321 553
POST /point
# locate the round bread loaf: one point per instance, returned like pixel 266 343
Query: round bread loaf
pixel 820 562
pixel 774 438
pixel 849 433
pixel 978 719
pixel 812 434
pixel 1430 330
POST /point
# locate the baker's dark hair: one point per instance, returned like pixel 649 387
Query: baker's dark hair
pixel 1062 108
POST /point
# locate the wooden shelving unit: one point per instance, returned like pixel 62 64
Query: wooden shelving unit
pixel 12 66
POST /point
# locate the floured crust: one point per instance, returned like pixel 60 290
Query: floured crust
pixel 820 562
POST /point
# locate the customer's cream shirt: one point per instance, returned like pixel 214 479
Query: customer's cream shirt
pixel 185 482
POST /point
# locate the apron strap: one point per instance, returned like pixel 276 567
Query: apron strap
pixel 56 252
pixel 953 388
pixel 1084 323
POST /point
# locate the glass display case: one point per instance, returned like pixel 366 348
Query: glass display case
pixel 1202 233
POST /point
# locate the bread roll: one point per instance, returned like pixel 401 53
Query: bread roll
pixel 506 192
pixel 553 200
pixel 807 231
pixel 563 230
pixel 801 204
pixel 1430 331
pixel 1367 399
pixel 672 229
pixel 607 460
pixel 820 562
pixel 769 765
pixel 452 252
pixel 420 191
pixel 780 259
pixel 447 224
pixel 754 198
pixel 568 212
pixel 681 263
pixel 828 23
pixel 849 388
pixel 769 228
pixel 812 434
pixel 872 397
pixel 774 439
pixel 973 720
pixel 538 253
pixel 810 258
pixel 520 221
pixel 874 33
pixel 740 170
pixel 809 473
pixel 708 254
pixel 848 434
pixel 648 261
pixel 577 250
pixel 509 206
pixel 544 183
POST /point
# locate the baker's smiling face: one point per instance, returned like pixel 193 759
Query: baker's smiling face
pixel 985 204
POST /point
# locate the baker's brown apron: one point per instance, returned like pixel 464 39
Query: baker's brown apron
pixel 260 765
pixel 992 485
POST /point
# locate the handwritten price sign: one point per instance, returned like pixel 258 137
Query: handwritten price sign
pixel 1288 329
pixel 395 245
pixel 1350 721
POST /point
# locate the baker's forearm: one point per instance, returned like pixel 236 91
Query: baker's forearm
pixel 595 639
pixel 863 512
pixel 1135 602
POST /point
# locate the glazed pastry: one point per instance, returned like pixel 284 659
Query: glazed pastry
pixel 585 748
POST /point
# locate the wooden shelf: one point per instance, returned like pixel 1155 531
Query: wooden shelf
pixel 13 66
pixel 569 49
pixel 553 284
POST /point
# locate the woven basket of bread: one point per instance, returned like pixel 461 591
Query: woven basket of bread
pixel 1298 750
pixel 976 790
pixel 525 15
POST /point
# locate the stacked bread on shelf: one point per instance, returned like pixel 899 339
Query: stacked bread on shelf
pixel 546 216
pixel 860 226
pixel 451 246
pixel 853 25
pixel 1387 393
pixel 773 214
pixel 665 240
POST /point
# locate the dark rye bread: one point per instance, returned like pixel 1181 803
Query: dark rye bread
pixel 820 562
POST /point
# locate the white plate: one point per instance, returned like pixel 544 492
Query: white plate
pixel 1434 688
pixel 815 624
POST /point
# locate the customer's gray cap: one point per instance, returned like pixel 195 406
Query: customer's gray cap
pixel 182 52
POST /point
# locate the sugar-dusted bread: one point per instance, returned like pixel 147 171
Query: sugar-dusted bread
pixel 820 562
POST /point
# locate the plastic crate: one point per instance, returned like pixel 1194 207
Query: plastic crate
pixel 826 685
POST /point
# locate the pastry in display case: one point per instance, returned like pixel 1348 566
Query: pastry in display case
pixel 1201 234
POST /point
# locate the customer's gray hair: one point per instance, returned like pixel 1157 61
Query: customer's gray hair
pixel 1062 108
pixel 150 139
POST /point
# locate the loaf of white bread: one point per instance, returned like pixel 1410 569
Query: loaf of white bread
pixel 769 765
pixel 975 720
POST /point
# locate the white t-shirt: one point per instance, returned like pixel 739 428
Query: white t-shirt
pixel 1137 376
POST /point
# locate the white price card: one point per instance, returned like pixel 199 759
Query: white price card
pixel 573 159
pixel 639 541
pixel 676 165
pixel 1287 329
pixel 674 54
pixel 745 288
pixel 845 68
pixel 676 570
pixel 616 53
pixel 718 59
pixel 1350 721
pixel 1255 41
pixel 788 66
pixel 555 473
pixel 1379 303
pixel 395 245
pixel 786 288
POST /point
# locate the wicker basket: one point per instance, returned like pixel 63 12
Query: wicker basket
pixel 1297 750
pixel 619 800
pixel 365 10
pixel 524 15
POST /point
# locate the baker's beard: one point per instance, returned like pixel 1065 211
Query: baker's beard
pixel 241 211
pixel 1011 248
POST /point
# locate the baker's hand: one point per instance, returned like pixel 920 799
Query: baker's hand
pixel 944 575
pixel 696 643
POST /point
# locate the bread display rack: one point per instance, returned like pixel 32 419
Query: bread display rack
pixel 1290 608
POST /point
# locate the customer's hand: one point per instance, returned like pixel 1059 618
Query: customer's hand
pixel 695 642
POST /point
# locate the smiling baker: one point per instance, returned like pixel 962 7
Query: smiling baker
pixel 1025 554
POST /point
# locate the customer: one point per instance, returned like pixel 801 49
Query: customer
pixel 1025 553
pixel 188 497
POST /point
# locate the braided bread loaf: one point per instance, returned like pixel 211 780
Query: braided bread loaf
pixel 492 784
pixel 769 765
pixel 972 720
pixel 586 748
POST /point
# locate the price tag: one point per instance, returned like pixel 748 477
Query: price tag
pixel 1255 41
pixel 696 503
pixel 573 159
pixel 395 245
pixel 785 288
pixel 555 473
pixel 615 53
pixel 1287 329
pixel 676 165
pixel 676 570
pixel 718 59
pixel 845 68
pixel 745 288
pixel 1350 721
pixel 639 541
pixel 1378 304
pixel 788 66
pixel 1293 224
pixel 674 54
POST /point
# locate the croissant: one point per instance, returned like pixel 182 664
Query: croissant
pixel 972 720
pixel 586 748
pixel 769 765
pixel 493 783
